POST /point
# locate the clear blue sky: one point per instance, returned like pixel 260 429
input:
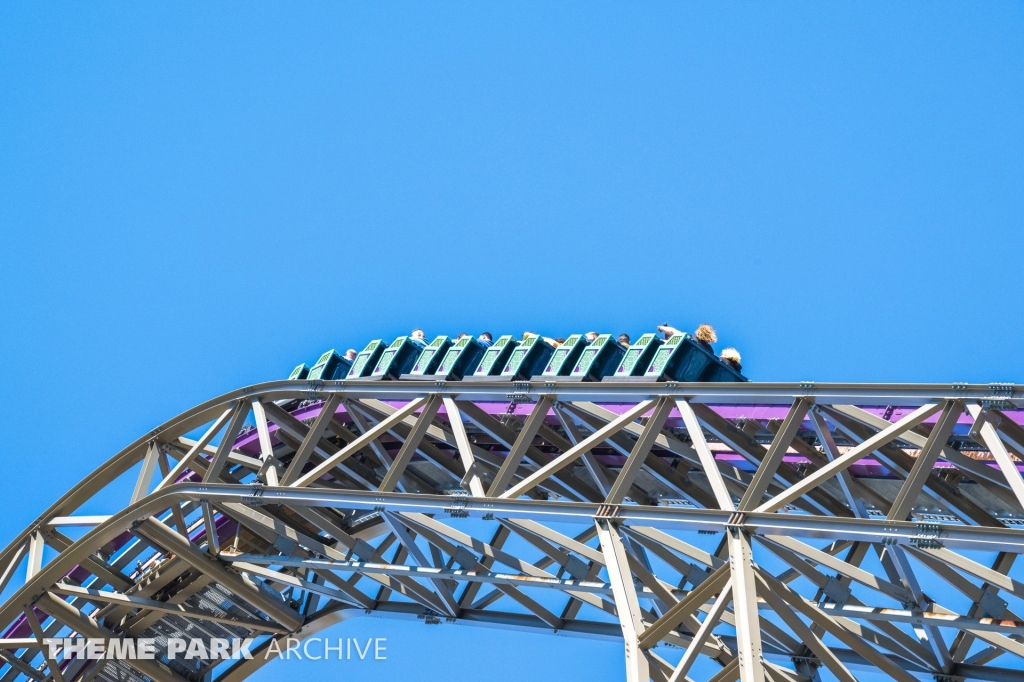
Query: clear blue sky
pixel 194 197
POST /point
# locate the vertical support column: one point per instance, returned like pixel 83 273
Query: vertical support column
pixel 146 475
pixel 259 415
pixel 707 458
pixel 473 481
pixel 748 630
pixel 212 541
pixel 626 602
pixel 35 554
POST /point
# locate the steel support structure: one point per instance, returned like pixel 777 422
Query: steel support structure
pixel 719 531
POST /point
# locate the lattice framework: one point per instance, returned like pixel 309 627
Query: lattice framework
pixel 736 525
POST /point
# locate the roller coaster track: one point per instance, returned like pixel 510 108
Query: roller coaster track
pixel 760 531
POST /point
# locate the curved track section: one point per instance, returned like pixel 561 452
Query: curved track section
pixel 726 531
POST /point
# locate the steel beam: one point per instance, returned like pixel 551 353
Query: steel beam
pixel 310 542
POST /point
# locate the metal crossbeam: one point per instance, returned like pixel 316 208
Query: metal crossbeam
pixel 729 526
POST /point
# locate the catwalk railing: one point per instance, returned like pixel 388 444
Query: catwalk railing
pixel 721 531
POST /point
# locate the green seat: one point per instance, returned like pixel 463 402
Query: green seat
pixel 637 358
pixel 528 359
pixel 495 358
pixel 680 359
pixel 330 366
pixel 598 360
pixel 461 359
pixel 397 359
pixel 366 360
pixel 565 357
pixel 431 357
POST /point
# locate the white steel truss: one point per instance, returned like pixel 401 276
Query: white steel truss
pixel 747 531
